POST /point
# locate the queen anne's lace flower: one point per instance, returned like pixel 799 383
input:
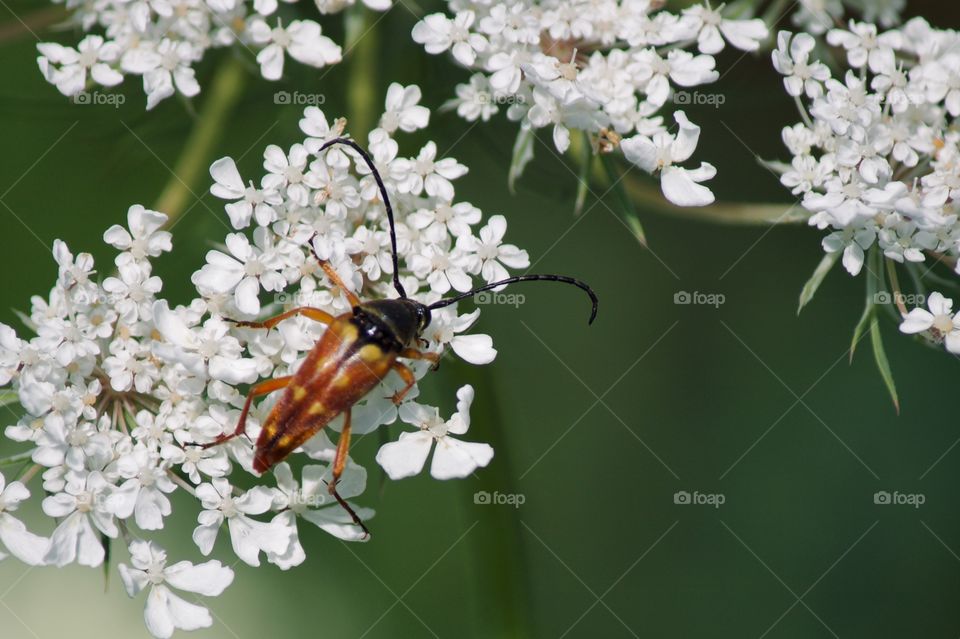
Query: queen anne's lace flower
pixel 605 68
pixel 162 42
pixel 120 388
pixel 876 158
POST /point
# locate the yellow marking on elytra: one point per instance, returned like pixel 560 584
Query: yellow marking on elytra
pixel 299 392
pixel 370 353
pixel 349 332
pixel 343 381
pixel 316 408
pixel 284 441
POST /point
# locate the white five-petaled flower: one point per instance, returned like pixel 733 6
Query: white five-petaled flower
pixel 792 59
pixel 680 186
pixel 404 111
pixel 247 269
pixel 939 320
pixel 452 458
pixel 144 237
pixel 166 611
pixel 251 201
pixel 85 513
pixel 302 40
pixel 248 536
pixel 67 68
pixel 14 536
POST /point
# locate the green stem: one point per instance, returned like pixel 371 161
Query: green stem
pixel 19 458
pixel 895 285
pixel 500 572
pixel 646 194
pixel 195 158
pixel 363 45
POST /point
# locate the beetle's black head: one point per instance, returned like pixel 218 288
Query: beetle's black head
pixel 402 319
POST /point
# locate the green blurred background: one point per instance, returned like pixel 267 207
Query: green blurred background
pixel 597 428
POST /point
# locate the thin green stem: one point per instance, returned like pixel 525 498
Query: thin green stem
pixel 363 44
pixel 19 458
pixel 895 285
pixel 500 571
pixel 646 194
pixel 192 164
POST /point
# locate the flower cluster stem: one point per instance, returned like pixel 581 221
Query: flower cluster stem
pixel 646 194
pixel 224 94
pixel 501 568
pixel 363 44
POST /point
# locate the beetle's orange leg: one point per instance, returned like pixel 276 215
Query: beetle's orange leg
pixel 412 353
pixel 307 311
pixel 335 278
pixel 343 448
pixel 333 275
pixel 339 463
pixel 263 388
pixel 407 375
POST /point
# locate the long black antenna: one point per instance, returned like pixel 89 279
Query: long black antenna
pixel 524 278
pixel 386 203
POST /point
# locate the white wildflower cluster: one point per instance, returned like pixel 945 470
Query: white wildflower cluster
pixel 120 389
pixel 876 159
pixel 162 42
pixel 606 68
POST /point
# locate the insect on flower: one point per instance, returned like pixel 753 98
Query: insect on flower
pixel 355 353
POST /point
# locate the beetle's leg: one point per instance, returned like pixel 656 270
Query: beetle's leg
pixel 407 375
pixel 343 448
pixel 263 388
pixel 356 518
pixel 307 311
pixel 335 278
pixel 339 463
pixel 412 353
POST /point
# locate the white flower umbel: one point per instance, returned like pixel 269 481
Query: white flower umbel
pixel 162 42
pixel 606 68
pixel 876 157
pixel 120 389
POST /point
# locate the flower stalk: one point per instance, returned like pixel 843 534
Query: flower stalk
pixel 194 160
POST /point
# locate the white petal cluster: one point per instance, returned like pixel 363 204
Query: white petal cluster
pixel 162 42
pixel 876 158
pixel 605 68
pixel 120 388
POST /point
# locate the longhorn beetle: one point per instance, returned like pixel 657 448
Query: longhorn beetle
pixel 353 355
